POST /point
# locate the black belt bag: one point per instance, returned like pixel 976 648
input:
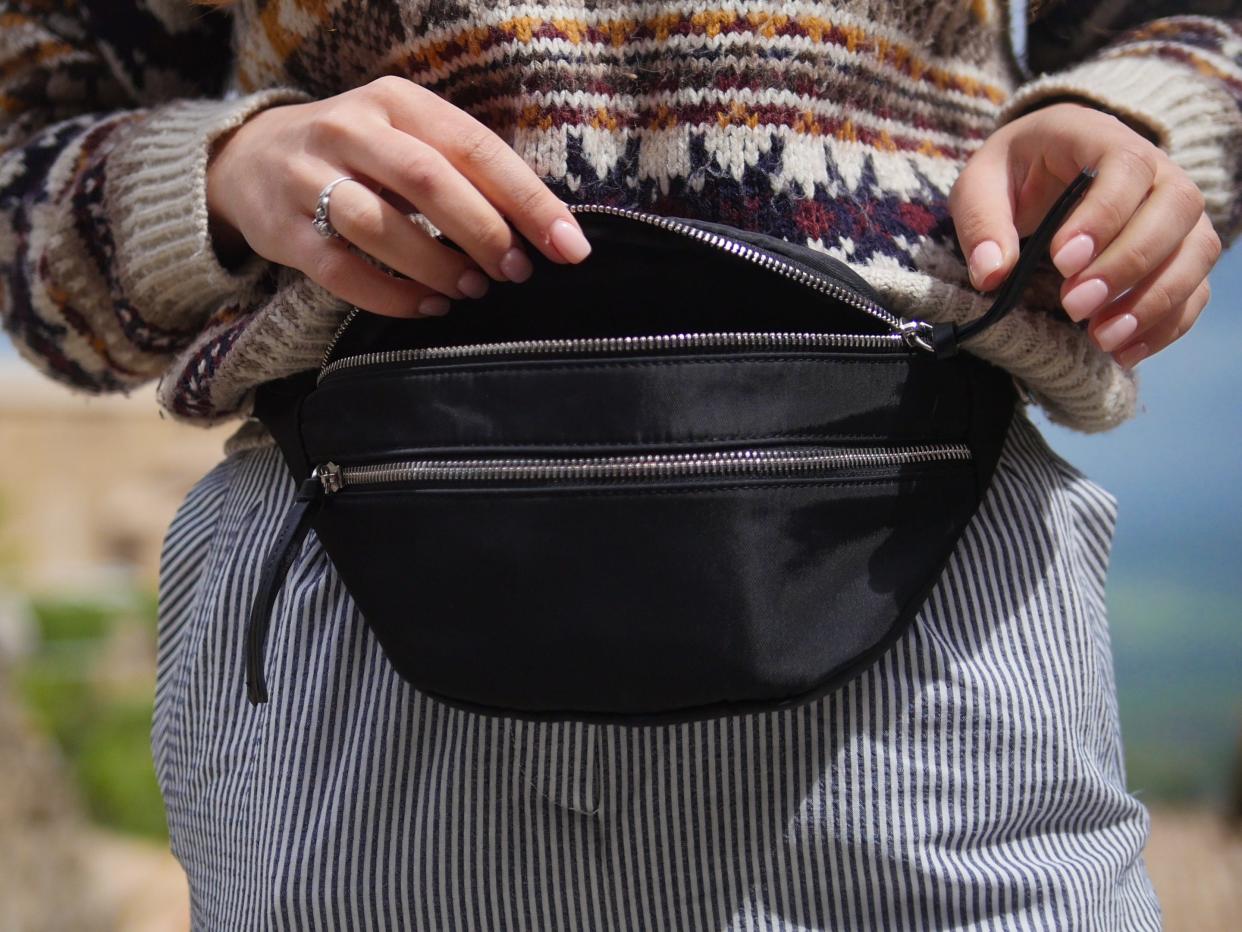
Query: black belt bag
pixel 703 472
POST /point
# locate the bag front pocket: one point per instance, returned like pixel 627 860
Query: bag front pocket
pixel 642 584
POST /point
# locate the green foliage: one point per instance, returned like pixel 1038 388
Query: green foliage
pixel 58 695
pixel 102 727
pixel 64 620
pixel 114 769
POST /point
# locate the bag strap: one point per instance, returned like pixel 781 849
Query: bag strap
pixel 278 405
pixel 293 530
pixel 945 338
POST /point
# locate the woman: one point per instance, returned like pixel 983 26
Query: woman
pixel 160 172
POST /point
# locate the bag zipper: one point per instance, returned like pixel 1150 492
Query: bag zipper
pixel 940 339
pixel 765 461
pixel 670 341
pixel 914 333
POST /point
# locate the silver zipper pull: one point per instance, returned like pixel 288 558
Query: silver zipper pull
pixel 917 334
pixel 329 476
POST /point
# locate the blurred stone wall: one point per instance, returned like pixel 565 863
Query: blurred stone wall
pixel 89 484
pixel 42 861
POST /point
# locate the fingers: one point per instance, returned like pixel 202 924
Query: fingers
pixel 331 264
pixel 1171 328
pixel 1125 176
pixel 1170 298
pixel 1135 252
pixel 1158 228
pixel 982 205
pixel 426 180
pixel 365 219
pixel 492 166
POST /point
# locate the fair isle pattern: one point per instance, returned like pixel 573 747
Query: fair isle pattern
pixel 749 115
pixel 971 779
pixel 840 125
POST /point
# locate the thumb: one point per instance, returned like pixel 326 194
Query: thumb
pixel 982 206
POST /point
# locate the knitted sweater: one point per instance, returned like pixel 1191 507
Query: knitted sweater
pixel 841 125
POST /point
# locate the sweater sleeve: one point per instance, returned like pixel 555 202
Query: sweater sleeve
pixel 1172 70
pixel 108 111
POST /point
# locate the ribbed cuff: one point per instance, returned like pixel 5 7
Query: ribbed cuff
pixel 156 199
pixel 1190 116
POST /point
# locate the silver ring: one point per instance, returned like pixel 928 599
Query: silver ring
pixel 321 223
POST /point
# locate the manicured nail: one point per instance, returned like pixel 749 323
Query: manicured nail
pixel 1073 257
pixel 569 241
pixel 433 305
pixel 984 260
pixel 1113 333
pixel 515 266
pixel 1129 357
pixel 1085 298
pixel 472 283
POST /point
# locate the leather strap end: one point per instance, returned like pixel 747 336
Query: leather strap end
pixel 293 530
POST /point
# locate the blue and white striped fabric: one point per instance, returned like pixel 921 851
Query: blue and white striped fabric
pixel 972 779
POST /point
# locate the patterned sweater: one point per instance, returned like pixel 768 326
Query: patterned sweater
pixel 842 125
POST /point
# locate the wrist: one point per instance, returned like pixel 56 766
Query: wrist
pixel 227 240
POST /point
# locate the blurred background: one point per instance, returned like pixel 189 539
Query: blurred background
pixel 87 486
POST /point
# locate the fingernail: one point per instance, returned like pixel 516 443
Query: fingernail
pixel 1132 355
pixel 1085 298
pixel 433 305
pixel 1112 334
pixel 515 266
pixel 569 241
pixel 472 283
pixel 1073 257
pixel 984 260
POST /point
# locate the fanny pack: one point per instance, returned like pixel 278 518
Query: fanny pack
pixel 702 472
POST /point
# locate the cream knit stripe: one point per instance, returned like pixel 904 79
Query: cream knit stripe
pixel 156 198
pixel 1194 119
pixel 807 160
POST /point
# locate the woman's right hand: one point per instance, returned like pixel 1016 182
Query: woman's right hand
pixel 412 151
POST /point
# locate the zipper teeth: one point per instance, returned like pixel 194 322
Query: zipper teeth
pixel 668 465
pixel 336 338
pixel 742 250
pixel 751 254
pixel 738 339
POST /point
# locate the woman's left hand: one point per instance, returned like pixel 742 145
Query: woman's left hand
pixel 1135 252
